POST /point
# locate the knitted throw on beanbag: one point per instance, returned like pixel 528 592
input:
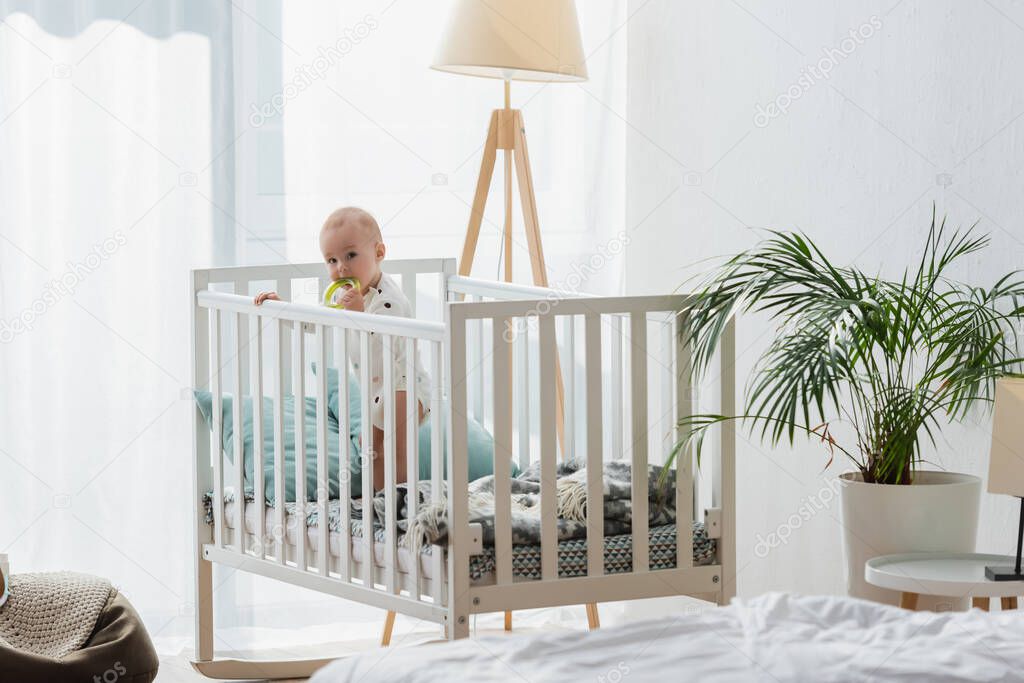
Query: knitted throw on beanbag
pixel 52 614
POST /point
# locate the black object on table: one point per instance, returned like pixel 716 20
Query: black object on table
pixel 1010 573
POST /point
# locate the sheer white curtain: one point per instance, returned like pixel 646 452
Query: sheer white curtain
pixel 108 143
pixel 138 140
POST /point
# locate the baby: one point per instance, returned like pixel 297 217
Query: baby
pixel 352 246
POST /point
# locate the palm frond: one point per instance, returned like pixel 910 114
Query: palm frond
pixel 889 356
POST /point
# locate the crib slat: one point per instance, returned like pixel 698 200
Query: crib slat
pixel 366 457
pixel 242 289
pixel 280 528
pixel 344 456
pixel 501 362
pixel 409 289
pixel 284 289
pixel 322 283
pixel 437 457
pixel 595 479
pixel 323 492
pixel 390 537
pixel 617 446
pixel 724 465
pixel 667 380
pixel 475 385
pixel 218 429
pixel 412 456
pixel 256 374
pixel 236 366
pixel 638 398
pixel 299 383
pixel 522 337
pixel 684 461
pixel 548 452
pixel 569 369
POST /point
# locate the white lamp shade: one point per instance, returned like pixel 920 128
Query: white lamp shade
pixel 1006 464
pixel 524 40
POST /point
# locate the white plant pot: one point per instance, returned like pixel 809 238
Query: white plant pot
pixel 937 513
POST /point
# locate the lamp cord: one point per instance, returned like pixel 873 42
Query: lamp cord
pixel 497 273
pixel 1020 536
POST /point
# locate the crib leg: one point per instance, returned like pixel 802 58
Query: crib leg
pixel 593 620
pixel 204 610
pixel 508 620
pixel 389 624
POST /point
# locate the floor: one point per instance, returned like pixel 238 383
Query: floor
pixel 176 669
pixel 409 632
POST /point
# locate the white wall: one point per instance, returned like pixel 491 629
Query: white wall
pixel 926 109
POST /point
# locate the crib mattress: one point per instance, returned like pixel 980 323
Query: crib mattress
pixel 526 559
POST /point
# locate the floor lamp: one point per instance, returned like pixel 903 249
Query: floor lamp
pixel 514 40
pixel 524 40
pixel 511 40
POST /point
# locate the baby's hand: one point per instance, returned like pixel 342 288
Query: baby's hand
pixel 352 299
pixel 264 296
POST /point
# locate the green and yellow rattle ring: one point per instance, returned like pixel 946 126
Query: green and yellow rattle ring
pixel 334 288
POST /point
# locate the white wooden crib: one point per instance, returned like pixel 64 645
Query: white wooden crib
pixel 623 382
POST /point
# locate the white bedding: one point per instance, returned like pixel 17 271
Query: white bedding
pixel 775 637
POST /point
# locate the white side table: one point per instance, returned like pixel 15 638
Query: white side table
pixel 944 574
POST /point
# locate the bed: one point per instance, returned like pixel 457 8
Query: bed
pixel 579 397
pixel 775 637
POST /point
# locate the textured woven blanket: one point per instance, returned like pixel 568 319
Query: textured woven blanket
pixel 52 615
pixel 430 524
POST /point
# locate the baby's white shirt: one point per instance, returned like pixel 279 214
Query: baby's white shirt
pixel 387 298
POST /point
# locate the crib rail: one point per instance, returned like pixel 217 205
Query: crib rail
pixel 504 291
pixel 626 374
pixel 265 351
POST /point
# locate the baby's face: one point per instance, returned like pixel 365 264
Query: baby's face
pixel 350 250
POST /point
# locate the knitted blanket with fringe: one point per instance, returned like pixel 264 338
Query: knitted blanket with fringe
pixel 430 523
pixel 430 526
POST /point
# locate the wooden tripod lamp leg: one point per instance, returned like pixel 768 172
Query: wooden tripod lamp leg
pixel 506 132
pixel 593 619
pixel 483 185
pixel 389 625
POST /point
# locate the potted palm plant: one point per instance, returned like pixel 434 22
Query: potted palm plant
pixel 871 368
